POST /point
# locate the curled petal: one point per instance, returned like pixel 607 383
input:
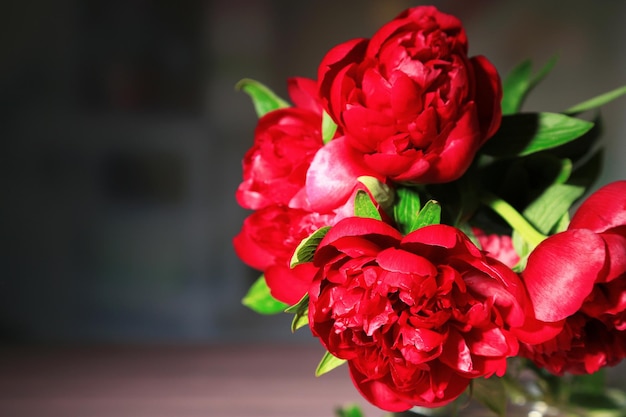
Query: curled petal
pixel 333 175
pixel 603 210
pixel 562 271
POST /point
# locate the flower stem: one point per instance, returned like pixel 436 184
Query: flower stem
pixel 514 219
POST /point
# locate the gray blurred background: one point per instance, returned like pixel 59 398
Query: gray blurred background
pixel 122 137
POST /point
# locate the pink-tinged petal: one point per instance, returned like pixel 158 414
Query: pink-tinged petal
pixel 303 93
pixel 289 285
pixel 561 272
pixel 377 392
pixel 333 175
pixel 397 260
pixel 603 210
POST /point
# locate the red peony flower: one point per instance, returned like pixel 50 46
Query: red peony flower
pixel 579 277
pixel 416 317
pixel 285 142
pixel 410 100
pixel 497 246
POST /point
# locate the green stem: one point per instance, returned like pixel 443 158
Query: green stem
pixel 514 219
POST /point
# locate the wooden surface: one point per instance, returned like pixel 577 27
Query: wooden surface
pixel 210 381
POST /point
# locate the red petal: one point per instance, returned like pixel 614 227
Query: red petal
pixel 303 93
pixel 289 285
pixel 359 226
pixel 561 272
pixel 603 210
pixel 377 393
pixel 397 260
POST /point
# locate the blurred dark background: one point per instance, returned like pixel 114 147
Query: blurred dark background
pixel 122 136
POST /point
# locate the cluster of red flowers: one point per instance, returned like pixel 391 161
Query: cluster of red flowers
pixel 417 314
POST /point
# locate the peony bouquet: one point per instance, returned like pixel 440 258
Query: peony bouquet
pixel 409 214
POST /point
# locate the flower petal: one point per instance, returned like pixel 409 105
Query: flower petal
pixel 562 271
pixel 603 210
pixel 333 175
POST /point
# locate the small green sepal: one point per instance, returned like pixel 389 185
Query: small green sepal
pixel 429 214
pixel 365 207
pixel 329 127
pixel 263 99
pixel 306 249
pixel 328 363
pixel 405 209
pixel 301 311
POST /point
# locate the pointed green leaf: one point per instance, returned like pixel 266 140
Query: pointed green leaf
pixel 263 99
pixel 301 311
pixel 429 214
pixel 543 72
pixel 382 193
pixel 306 249
pixel 301 305
pixel 328 363
pixel 365 207
pixel 526 133
pixel 547 210
pixel 329 127
pixel 597 101
pixel 519 83
pixel 260 299
pixel 491 393
pixel 515 86
pixel 405 209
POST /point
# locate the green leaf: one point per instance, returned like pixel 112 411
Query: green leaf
pixel 429 214
pixel 365 207
pixel 260 299
pixel 597 101
pixel 526 133
pixel 349 410
pixel 263 99
pixel 406 208
pixel 561 225
pixel 519 83
pixel 515 86
pixel 544 71
pixel 301 311
pixel 306 249
pixel 328 363
pixel 381 192
pixel 547 210
pixel 329 127
pixel 491 393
